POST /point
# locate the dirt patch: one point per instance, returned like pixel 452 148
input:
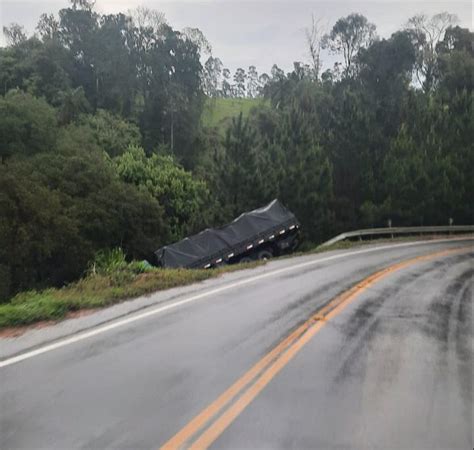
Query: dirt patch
pixel 13 332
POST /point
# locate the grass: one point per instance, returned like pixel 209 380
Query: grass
pixel 101 288
pixel 218 112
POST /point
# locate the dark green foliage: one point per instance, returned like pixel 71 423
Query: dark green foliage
pixel 348 36
pixel 242 174
pixel 112 134
pixel 170 87
pixel 184 198
pixel 39 244
pixel 27 125
pixel 58 210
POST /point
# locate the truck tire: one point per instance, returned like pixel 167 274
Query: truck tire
pixel 265 254
pixel 245 260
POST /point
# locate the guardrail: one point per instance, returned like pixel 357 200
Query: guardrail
pixel 392 231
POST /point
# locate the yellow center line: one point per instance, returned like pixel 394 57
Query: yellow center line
pixel 201 419
pixel 258 377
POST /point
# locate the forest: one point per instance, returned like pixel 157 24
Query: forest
pixel 102 142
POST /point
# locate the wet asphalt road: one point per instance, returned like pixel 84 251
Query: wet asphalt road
pixel 392 370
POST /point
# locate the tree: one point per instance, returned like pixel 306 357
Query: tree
pixel 241 175
pixel 196 36
pixel 184 198
pixel 113 134
pixel 72 103
pixel 34 234
pixel 59 207
pixel 114 65
pixel 314 40
pixel 37 67
pixel 277 74
pixel 14 34
pixel 427 33
pixel 78 34
pixel 263 80
pixel 252 82
pixel 239 79
pixel 212 77
pixel 301 72
pixel 455 64
pixel 406 181
pixel 349 35
pixel 292 165
pixel 48 27
pixel 146 18
pixel 386 69
pixel 388 64
pixel 456 39
pixel 87 5
pixel 171 88
pixel 276 87
pixel 27 125
pixel 226 86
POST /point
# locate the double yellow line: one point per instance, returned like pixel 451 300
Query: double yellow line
pixel 211 422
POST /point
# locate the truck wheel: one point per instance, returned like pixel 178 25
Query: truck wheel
pixel 265 254
pixel 245 260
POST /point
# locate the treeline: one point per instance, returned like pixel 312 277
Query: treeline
pixel 218 81
pixel 102 145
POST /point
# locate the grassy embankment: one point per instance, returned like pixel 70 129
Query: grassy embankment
pixel 105 284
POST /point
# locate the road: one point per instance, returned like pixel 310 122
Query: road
pixel 316 354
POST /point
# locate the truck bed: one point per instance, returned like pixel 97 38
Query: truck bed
pixel 257 229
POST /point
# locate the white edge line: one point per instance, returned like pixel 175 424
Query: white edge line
pixel 104 328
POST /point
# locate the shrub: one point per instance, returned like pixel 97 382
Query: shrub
pixel 107 262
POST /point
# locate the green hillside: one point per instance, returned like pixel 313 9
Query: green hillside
pixel 219 111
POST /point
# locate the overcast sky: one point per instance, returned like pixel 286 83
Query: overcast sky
pixel 259 33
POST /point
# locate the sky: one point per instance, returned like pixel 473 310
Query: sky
pixel 257 32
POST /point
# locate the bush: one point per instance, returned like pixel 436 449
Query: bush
pixel 107 262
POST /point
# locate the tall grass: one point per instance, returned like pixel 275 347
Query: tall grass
pixel 110 279
pixel 107 262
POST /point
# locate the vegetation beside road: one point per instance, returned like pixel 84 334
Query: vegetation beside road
pixel 110 279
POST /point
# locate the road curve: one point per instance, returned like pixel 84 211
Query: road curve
pixel 341 358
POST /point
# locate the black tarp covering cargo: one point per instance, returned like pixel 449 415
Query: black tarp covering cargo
pixel 210 245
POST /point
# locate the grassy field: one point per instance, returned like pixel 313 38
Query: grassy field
pixel 218 112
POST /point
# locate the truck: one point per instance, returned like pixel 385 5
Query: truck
pixel 271 230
